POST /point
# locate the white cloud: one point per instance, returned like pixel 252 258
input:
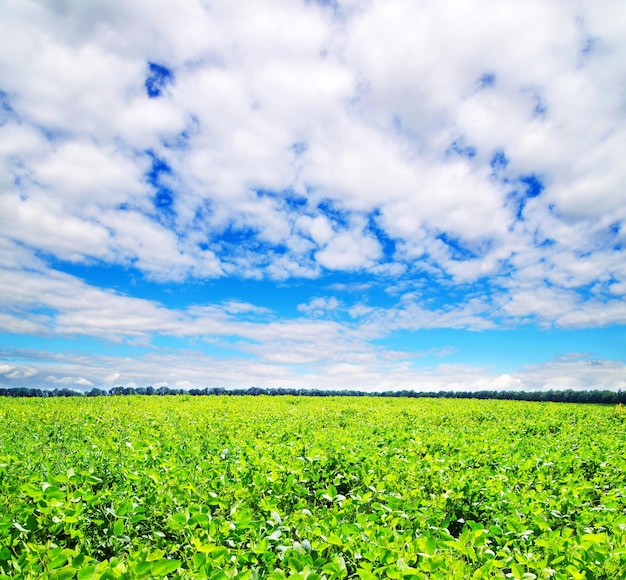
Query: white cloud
pixel 112 378
pixel 349 250
pixel 44 223
pixel 319 305
pixel 152 247
pixel 373 96
pixel 294 140
pixel 575 374
pixel 88 175
pixel 19 372
pixel 192 369
pixel 82 382
pixel 318 228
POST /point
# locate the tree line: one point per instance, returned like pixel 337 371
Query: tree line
pixel 557 396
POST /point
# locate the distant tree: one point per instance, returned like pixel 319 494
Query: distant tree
pixel 597 396
pixel 65 392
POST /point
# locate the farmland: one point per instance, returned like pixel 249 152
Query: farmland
pixel 288 487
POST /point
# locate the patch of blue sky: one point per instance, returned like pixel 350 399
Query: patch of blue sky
pixel 486 80
pixel 545 243
pixel 164 200
pixel 387 244
pixel 617 237
pixel 102 275
pixel 507 351
pixel 532 186
pixel 437 293
pixel 458 148
pixel 334 213
pixel 164 196
pixel 456 293
pixel 499 161
pixel 158 167
pixel 235 239
pixel 299 147
pixel 288 197
pixel 283 298
pixel 159 77
pixel 595 291
pixel 348 289
pixel 540 110
pixel 278 297
pixel 259 293
pixel 458 250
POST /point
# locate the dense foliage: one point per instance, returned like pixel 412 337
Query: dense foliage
pixel 284 487
pixel 555 396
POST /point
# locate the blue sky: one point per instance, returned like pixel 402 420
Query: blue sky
pixel 361 194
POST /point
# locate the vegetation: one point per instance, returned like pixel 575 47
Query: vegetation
pixel 567 396
pixel 317 488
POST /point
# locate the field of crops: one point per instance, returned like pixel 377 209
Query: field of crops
pixel 285 487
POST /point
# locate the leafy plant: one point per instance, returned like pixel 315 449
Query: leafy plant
pixel 333 488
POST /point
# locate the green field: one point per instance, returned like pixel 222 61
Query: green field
pixel 285 487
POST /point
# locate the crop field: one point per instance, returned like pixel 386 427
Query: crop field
pixel 316 488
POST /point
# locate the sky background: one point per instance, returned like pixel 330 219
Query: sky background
pixel 380 194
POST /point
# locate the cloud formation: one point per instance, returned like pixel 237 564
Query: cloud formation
pixel 463 162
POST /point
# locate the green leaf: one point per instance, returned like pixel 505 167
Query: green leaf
pixel 334 539
pixel 64 573
pixel 163 567
pixel 78 561
pixel 88 573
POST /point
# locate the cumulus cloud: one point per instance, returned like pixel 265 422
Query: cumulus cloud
pixel 304 103
pixel 319 305
pixel 187 369
pixel 477 148
pixel 348 251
